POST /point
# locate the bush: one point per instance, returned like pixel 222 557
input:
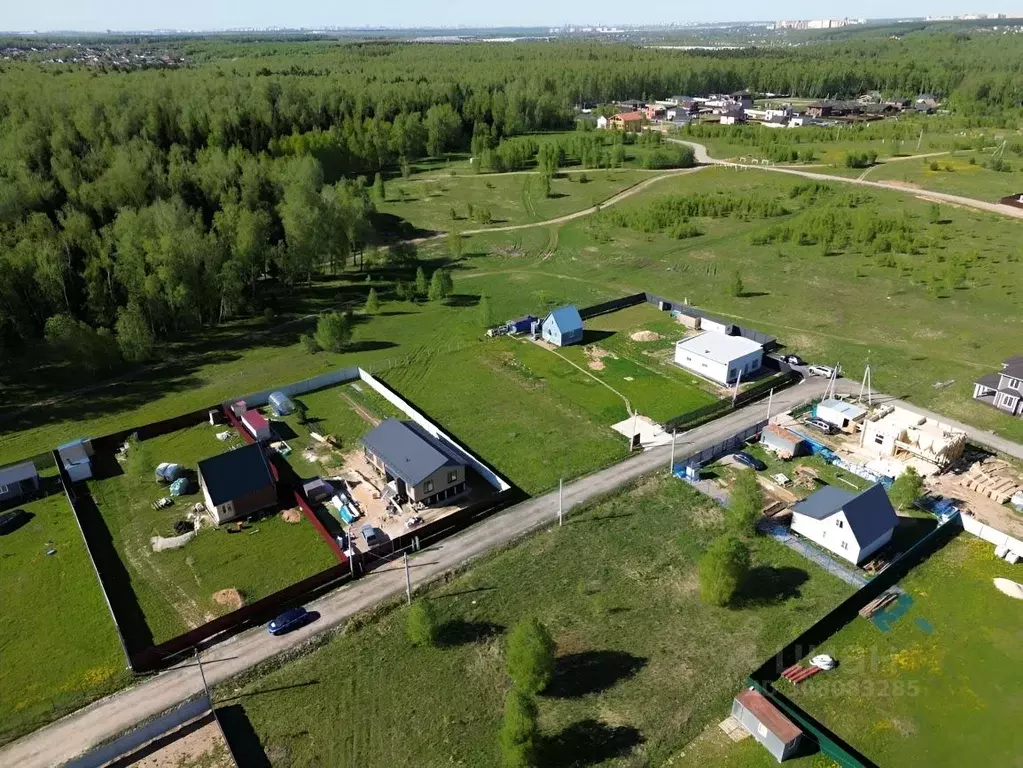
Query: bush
pixel 421 624
pixel 747 503
pixel 91 351
pixel 372 302
pixel 134 336
pixel 519 731
pixel 530 656
pixel 309 344
pixel 722 570
pixel 333 331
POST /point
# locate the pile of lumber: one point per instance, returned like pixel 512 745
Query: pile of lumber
pixel 993 478
pixel 879 603
pixel 797 673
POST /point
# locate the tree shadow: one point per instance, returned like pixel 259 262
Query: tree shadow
pixel 767 585
pixel 579 674
pixel 15 520
pixel 242 737
pixel 752 294
pixel 587 742
pixel 459 632
pixel 282 430
pixel 369 346
pixel 462 300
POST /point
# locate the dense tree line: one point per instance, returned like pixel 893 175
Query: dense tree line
pixel 136 206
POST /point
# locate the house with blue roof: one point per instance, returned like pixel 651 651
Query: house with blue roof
pixel 852 525
pixel 562 327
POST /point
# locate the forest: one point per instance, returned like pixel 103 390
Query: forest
pixel 143 205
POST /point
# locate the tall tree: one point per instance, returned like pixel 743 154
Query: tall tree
pixel 722 569
pixel 530 656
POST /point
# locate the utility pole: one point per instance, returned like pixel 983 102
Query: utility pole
pixel 735 392
pixel 408 580
pixel 561 500
pixel 202 674
pixel 866 384
pixel 635 423
pixel 671 464
pixel 770 400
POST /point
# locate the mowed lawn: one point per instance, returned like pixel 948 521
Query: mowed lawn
pixel 941 686
pixel 175 588
pixel 58 646
pixel 515 198
pixel 643 665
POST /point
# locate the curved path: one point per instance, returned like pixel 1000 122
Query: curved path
pixel 700 152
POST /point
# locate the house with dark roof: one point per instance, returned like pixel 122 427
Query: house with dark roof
pixel 766 723
pixel 852 525
pixel 18 480
pixel 1003 390
pixel 417 466
pixel 237 483
pixel 562 327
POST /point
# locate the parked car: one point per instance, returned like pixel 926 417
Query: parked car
pixel 821 370
pixel 750 461
pixel 293 618
pixel 821 426
pixel 369 533
pixel 794 360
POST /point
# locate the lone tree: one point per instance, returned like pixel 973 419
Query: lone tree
pixel 722 569
pixel 379 193
pixel 441 285
pixel 486 313
pixel 519 731
pixel 530 656
pixel 746 504
pixel 737 285
pixel 134 336
pixel 372 302
pixel 333 331
pixel 907 488
pixel 421 624
pixel 421 286
pixel 455 242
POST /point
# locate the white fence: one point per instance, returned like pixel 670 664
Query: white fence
pixel 329 379
pixel 986 532
pixel 486 472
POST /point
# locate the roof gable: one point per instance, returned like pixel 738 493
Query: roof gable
pixel 870 515
pixel 234 474
pixel 823 503
pixel 408 451
pixel 17 473
pixel 567 319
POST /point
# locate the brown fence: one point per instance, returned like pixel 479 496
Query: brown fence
pixel 612 306
pixel 110 443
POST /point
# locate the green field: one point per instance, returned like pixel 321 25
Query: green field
pixel 955 175
pixel 58 643
pixel 940 686
pixel 513 198
pixel 175 588
pixel 644 665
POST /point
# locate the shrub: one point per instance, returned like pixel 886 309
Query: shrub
pixel 722 570
pixel 530 656
pixel 333 331
pixel 747 503
pixel 372 302
pixel 519 731
pixel 421 624
pixel 309 344
pixel 907 488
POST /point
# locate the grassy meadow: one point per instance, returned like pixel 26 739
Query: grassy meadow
pixel 175 588
pixel 952 658
pixel 643 665
pixel 955 174
pixel 58 645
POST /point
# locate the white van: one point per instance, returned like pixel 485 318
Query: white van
pixel 821 370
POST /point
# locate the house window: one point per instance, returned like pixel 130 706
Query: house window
pixel 3 489
pixel 453 476
pixel 879 439
pixel 762 730
pixel 428 486
pixel 845 545
pixel 839 523
pixel 1013 383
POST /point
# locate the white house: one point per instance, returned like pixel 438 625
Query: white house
pixel 602 122
pixel 840 413
pixel 853 526
pixel 718 357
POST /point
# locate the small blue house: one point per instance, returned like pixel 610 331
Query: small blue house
pixel 563 327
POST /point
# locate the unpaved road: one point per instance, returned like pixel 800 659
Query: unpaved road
pixel 924 194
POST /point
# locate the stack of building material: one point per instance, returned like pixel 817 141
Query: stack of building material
pixel 879 603
pixel 797 673
pixel 993 478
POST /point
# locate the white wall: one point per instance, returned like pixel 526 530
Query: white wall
pixel 986 532
pixel 829 534
pixel 716 371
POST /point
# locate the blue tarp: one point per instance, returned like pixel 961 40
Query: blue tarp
pixel 346 515
pixel 179 487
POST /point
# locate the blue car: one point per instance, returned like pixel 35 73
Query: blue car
pixel 293 618
pixel 750 461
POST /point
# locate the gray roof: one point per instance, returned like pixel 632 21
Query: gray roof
pixel 408 451
pixel 236 473
pixel 990 380
pixel 17 473
pixel 1013 367
pixel 870 513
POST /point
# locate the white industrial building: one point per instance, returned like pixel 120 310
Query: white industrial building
pixel 720 358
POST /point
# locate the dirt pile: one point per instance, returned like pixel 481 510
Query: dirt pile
pixel 645 336
pixel 291 515
pixel 230 598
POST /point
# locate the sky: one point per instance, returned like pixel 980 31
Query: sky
pixel 99 15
